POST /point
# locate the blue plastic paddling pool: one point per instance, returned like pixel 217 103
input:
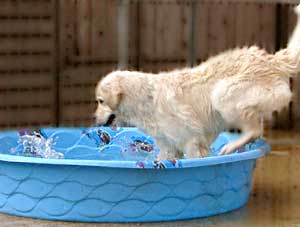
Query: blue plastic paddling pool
pixel 109 175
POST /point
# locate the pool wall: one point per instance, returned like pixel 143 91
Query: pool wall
pixel 103 194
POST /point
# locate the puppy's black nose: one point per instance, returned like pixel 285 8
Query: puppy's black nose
pixel 110 120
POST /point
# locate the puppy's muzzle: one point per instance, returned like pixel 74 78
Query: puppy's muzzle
pixel 110 120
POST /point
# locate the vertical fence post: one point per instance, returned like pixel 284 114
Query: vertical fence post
pixel 57 68
pixel 191 61
pixel 123 33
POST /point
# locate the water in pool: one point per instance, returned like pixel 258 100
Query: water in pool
pixel 96 143
pixel 92 143
pixel 101 144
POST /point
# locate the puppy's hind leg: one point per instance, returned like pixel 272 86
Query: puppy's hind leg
pixel 248 119
pixel 250 132
pixel 241 104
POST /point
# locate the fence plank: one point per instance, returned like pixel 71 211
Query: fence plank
pixel 123 33
pixel 26 44
pixel 253 28
pixel 221 27
pixel 163 33
pixel 202 24
pixel 66 37
pixel 92 74
pixel 248 24
pixel 84 28
pixel 21 80
pixel 10 62
pixel 27 56
pixel 104 32
pixel 78 90
pixel 267 27
pixel 26 26
pixel 191 30
pixel 26 8
pixel 26 97
pixel 84 112
pixel 31 116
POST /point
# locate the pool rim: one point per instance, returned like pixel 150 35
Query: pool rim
pixel 186 163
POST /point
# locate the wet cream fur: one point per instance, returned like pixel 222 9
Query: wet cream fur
pixel 184 110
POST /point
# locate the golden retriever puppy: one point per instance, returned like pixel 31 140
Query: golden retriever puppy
pixel 184 110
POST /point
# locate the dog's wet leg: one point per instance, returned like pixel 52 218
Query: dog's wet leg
pixel 193 149
pixel 167 151
pixel 251 131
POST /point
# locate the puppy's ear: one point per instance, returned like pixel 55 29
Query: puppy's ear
pixel 114 90
pixel 115 100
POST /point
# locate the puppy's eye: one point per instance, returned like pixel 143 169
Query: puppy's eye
pixel 101 101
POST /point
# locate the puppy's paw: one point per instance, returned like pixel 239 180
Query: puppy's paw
pixel 196 154
pixel 163 155
pixel 191 155
pixel 228 148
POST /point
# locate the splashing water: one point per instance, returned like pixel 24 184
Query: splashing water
pixel 37 145
pixel 94 143
pixel 121 144
pixel 136 147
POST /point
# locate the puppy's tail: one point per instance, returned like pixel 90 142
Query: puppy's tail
pixel 294 42
pixel 290 57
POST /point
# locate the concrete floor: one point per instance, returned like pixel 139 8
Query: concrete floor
pixel 275 199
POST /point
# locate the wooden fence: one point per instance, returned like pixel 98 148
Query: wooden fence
pixel 52 52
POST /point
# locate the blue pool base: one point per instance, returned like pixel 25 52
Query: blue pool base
pixel 122 191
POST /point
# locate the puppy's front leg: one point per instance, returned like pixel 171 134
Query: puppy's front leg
pixel 167 151
pixel 193 149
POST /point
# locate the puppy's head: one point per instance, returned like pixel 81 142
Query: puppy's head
pixel 108 98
